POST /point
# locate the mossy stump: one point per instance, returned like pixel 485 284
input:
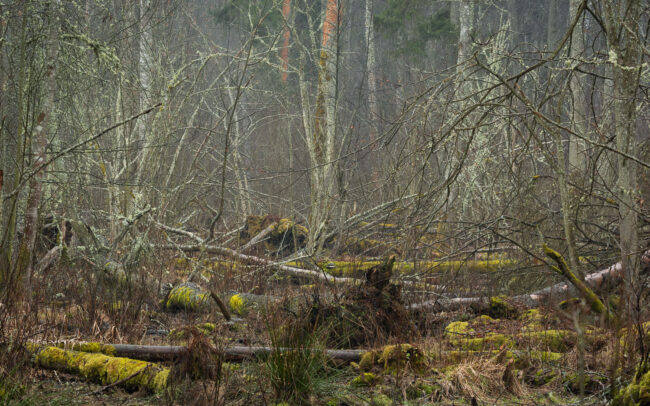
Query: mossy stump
pixel 367 313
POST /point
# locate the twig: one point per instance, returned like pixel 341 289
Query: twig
pixel 222 306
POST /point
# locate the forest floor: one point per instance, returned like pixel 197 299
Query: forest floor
pixel 501 354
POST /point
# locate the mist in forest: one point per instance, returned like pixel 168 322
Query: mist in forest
pixel 340 175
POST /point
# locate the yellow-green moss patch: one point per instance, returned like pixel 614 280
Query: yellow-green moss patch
pixel 365 379
pixel 501 308
pixel 187 296
pixel 91 347
pixel 458 328
pixel 490 341
pixel 104 369
pixel 552 340
pixel 238 304
pixel 399 356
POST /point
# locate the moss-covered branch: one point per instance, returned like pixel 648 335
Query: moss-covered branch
pixel 563 269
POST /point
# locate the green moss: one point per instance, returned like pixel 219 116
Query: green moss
pixel 365 379
pixel 458 328
pixel 91 347
pixel 531 316
pixel 206 328
pixel 418 390
pixel 593 383
pixel 522 358
pixel 553 340
pixel 104 369
pixel 490 341
pixel 381 400
pixel 542 377
pixel 484 320
pixel 545 356
pixel 357 268
pixel 367 360
pixel 638 391
pixel 187 296
pixel 182 333
pixel 500 307
pixel 238 304
pixel 397 357
pixel 570 304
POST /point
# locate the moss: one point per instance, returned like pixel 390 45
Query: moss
pixel 484 320
pixel 570 304
pixel 381 400
pixel 238 304
pixel 563 269
pixel 356 268
pixel 91 347
pixel 365 379
pixel 553 340
pixel 182 333
pixel 542 377
pixel 104 369
pixel 593 383
pixel 522 359
pixel 418 390
pixel 367 360
pixel 458 328
pixel 638 391
pixel 490 341
pixel 206 327
pixel 526 359
pixel 397 357
pixel 500 308
pixel 187 296
pixel 531 316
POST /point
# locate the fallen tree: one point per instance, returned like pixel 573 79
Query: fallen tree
pixel 595 281
pixel 171 352
pixel 299 272
pixel 101 368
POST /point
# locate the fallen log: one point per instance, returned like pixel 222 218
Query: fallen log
pixel 594 281
pixel 105 369
pixel 360 356
pixel 299 272
pixel 171 352
pixel 259 237
pixel 189 296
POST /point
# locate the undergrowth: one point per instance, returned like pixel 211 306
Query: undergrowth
pixel 304 373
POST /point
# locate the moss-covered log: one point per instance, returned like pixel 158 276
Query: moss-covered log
pixel 290 270
pixel 594 281
pixel 563 269
pixel 104 369
pixel 170 352
pixel 188 296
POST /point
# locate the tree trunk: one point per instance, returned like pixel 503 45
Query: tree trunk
pixel 624 56
pixel 322 145
pixel 579 116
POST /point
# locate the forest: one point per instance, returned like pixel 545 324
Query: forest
pixel 324 202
